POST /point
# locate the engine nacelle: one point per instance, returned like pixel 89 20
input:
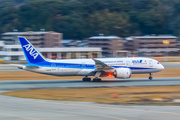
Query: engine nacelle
pixel 122 73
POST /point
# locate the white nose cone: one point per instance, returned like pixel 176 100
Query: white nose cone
pixel 161 67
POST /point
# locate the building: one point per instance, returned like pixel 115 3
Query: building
pixel 1 45
pixel 38 39
pixel 109 44
pixel 74 43
pixel 152 45
pixel 71 52
pixel 15 53
pixel 178 44
pixel 11 52
pixel 1 48
pixel 50 44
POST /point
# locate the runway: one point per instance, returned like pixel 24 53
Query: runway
pixel 12 108
pixel 29 109
pixel 51 84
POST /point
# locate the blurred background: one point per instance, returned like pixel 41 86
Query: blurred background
pixel 78 29
pixel 71 29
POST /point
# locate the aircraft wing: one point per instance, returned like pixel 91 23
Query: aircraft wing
pixel 100 66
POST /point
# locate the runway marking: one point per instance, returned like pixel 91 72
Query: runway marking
pixel 30 118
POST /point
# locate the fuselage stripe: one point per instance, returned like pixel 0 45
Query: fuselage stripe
pixel 80 66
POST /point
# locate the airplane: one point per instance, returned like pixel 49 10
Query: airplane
pixel 120 68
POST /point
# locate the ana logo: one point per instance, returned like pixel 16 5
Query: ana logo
pixel 31 50
pixel 137 61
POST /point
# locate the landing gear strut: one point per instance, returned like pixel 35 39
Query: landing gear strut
pixel 86 79
pixel 150 77
pixel 97 79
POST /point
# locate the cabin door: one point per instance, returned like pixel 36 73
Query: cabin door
pixel 150 63
pixel 128 63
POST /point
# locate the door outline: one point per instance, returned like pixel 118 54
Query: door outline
pixel 150 63
pixel 128 63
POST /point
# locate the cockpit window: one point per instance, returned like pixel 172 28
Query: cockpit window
pixel 157 62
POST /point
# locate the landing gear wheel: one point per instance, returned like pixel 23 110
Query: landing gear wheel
pixel 150 78
pixel 86 79
pixel 97 80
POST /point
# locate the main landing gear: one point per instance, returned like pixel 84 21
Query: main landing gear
pixel 96 79
pixel 86 79
pixel 150 77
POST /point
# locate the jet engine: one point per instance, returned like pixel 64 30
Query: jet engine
pixel 122 73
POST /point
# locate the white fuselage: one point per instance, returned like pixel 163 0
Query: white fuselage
pixel 86 67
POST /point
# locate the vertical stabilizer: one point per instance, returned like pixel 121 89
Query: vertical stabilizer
pixel 32 55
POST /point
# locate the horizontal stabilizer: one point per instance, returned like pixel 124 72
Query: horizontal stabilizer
pixel 31 66
pixel 24 66
pixel 18 65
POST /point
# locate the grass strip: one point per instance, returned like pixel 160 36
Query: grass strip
pixel 127 95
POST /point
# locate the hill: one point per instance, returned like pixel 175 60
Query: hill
pixel 79 19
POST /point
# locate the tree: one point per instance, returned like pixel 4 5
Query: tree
pixel 109 23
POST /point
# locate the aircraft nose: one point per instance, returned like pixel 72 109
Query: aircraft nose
pixel 162 67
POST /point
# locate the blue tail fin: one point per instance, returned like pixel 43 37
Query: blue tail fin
pixel 32 55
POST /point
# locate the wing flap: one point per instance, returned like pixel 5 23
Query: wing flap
pixel 22 66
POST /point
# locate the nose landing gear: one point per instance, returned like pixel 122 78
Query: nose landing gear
pixel 150 77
